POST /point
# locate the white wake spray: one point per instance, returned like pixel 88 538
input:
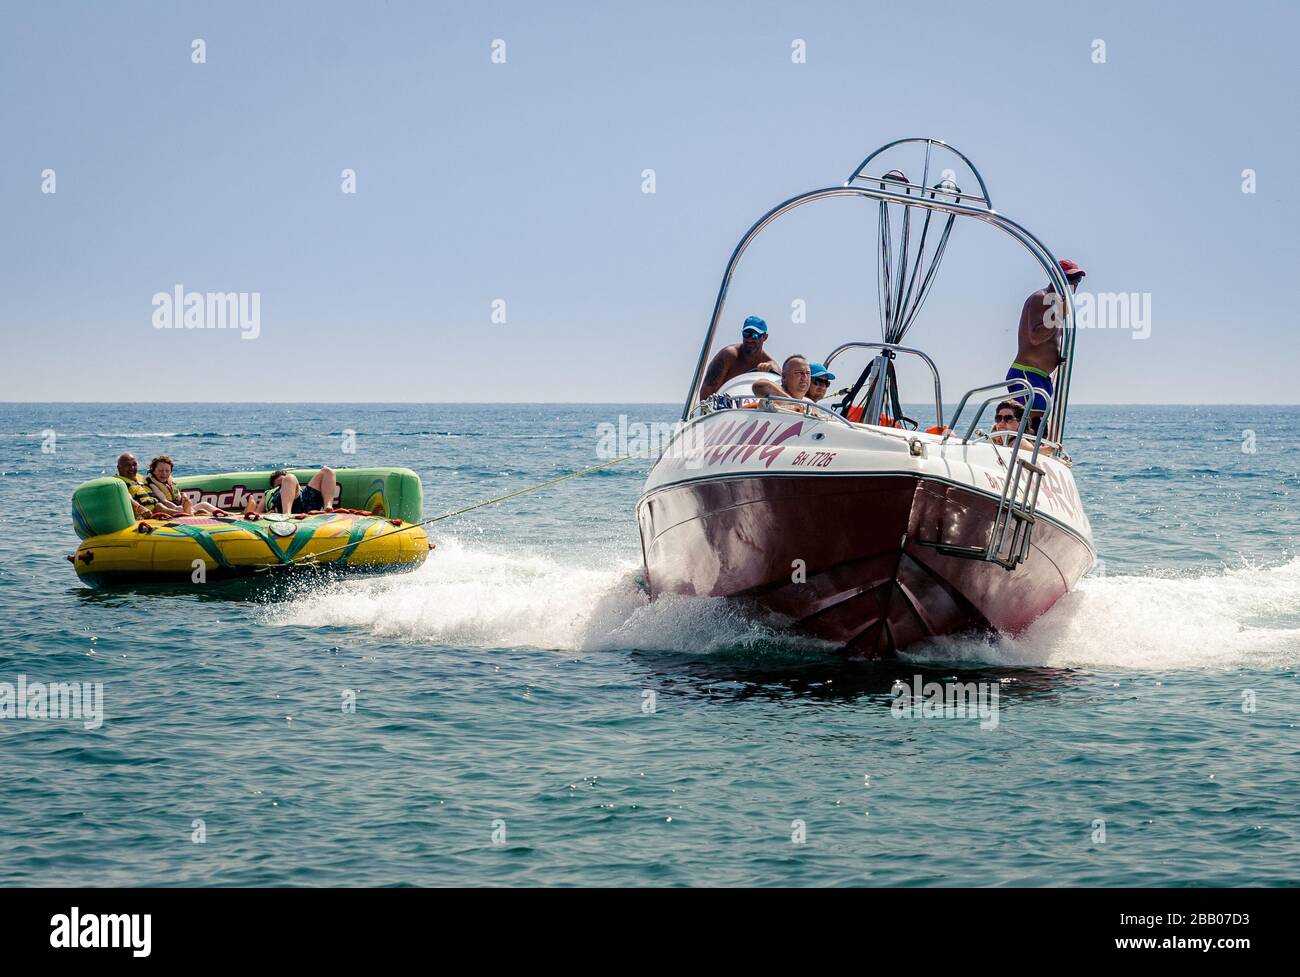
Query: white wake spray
pixel 1213 619
pixel 477 596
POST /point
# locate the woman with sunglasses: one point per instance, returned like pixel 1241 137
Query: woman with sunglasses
pixel 1007 419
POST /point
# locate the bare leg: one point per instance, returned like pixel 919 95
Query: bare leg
pixel 288 494
pixel 326 483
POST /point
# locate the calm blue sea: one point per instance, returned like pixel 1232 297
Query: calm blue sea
pixel 503 734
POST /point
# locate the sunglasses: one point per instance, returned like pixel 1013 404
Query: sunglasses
pixel 821 381
pixel 1008 417
pixel 751 335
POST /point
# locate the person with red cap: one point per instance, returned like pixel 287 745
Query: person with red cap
pixel 1039 337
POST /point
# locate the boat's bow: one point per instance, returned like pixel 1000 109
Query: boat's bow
pixel 870 537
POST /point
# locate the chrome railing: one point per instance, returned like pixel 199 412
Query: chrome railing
pixel 1006 391
pixel 720 402
pixel 934 370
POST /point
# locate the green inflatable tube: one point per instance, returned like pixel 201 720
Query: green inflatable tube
pixel 103 505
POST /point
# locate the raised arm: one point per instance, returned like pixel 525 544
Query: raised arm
pixel 769 388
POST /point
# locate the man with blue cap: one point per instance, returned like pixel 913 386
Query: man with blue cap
pixel 821 381
pixel 742 357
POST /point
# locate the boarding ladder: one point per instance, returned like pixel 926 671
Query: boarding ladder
pixel 1013 526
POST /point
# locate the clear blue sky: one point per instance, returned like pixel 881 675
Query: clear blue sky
pixel 522 181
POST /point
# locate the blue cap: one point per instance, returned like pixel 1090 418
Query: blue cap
pixel 818 370
pixel 756 324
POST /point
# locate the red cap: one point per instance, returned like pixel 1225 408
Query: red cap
pixel 1071 268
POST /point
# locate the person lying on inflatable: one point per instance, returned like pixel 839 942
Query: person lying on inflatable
pixel 286 497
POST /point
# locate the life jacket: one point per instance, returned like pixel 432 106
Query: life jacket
pixel 167 491
pixel 855 413
pixel 139 491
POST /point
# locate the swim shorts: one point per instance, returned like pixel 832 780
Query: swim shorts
pixel 1036 379
pixel 309 500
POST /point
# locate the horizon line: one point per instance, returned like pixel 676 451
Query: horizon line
pixel 555 403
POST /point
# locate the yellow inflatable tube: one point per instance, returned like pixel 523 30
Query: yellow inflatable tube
pixel 197 549
pixel 119 549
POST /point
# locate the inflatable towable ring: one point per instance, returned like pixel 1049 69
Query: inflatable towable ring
pixel 129 542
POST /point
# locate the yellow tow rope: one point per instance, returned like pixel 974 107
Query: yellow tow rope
pixel 314 557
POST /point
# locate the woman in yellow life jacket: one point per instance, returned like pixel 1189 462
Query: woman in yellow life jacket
pixel 163 487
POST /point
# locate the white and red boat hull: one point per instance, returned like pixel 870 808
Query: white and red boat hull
pixel 838 529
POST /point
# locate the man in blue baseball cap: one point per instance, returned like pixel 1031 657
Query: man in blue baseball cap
pixel 821 381
pixel 742 357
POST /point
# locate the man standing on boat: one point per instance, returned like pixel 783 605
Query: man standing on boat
pixel 742 357
pixel 1039 338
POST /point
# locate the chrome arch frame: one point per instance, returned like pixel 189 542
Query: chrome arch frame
pixel 930 145
pixel 1047 261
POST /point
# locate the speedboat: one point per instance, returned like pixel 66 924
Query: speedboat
pixel 847 518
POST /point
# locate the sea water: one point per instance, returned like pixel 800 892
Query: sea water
pixel 517 712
